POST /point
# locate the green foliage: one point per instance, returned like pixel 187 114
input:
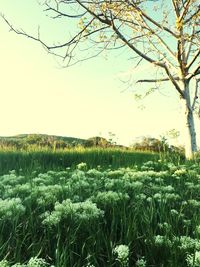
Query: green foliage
pixel 44 160
pixel 97 142
pixel 161 146
pixel 141 216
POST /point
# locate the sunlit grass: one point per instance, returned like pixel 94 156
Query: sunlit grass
pixel 44 160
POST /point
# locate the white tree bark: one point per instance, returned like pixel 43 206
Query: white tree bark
pixel 189 126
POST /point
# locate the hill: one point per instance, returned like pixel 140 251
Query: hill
pixel 27 141
pixel 24 141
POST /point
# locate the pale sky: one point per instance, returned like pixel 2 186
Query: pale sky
pixel 88 99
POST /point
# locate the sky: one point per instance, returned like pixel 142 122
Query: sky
pixel 38 95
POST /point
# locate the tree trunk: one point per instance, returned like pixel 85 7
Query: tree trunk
pixel 190 133
pixel 190 142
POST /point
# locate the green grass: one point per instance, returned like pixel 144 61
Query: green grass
pixel 104 218
pixel 120 208
pixel 44 160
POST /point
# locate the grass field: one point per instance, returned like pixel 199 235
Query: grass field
pixel 118 208
pixel 44 160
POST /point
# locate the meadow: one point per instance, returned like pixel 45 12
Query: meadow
pixel 43 160
pixel 98 208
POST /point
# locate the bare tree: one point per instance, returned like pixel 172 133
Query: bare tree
pixel 163 33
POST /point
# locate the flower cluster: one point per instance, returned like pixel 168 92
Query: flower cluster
pixel 161 241
pixel 187 243
pixel 110 198
pixel 33 262
pixel 193 260
pixel 122 252
pixel 141 262
pixel 82 166
pixel 11 208
pixel 81 212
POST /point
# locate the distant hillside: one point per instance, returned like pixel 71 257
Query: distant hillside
pixel 24 141
pixel 43 141
pixel 27 141
pixel 38 137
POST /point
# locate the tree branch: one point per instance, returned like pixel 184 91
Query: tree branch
pixel 22 32
pixel 160 64
pixel 161 41
pixel 63 14
pixel 137 51
pixel 194 73
pixel 185 10
pixel 174 82
pixel 187 54
pixel 105 21
pixel 195 94
pixel 74 40
pixel 153 21
pixel 157 80
pixel 194 59
pixel 192 16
